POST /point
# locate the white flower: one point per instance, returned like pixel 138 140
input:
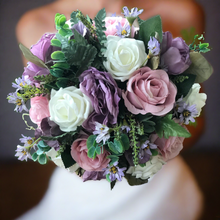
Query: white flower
pixel 194 97
pixel 58 160
pixel 102 131
pixel 152 167
pixel 69 108
pixel 124 56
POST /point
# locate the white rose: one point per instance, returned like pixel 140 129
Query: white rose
pixel 58 160
pixel 124 56
pixel 194 97
pixel 69 108
pixel 151 168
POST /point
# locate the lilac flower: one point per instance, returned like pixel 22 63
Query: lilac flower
pixel 18 101
pixel 114 172
pixel 27 141
pixel 123 31
pixel 93 175
pixel 154 46
pixel 134 12
pixel 187 113
pixel 178 103
pixel 22 153
pixel 145 148
pixel 102 131
pixel 113 15
pixel 125 127
pixel 20 83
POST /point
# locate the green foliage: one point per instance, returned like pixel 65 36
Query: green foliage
pixel 125 141
pixel 42 159
pixel 74 19
pixel 58 55
pixel 93 147
pixel 140 21
pixel 132 180
pixel 200 67
pixel 113 184
pixel 166 127
pixel 184 83
pixel 67 159
pixel 61 26
pixel 55 43
pixel 34 156
pixel 113 158
pixel 188 34
pixel 154 152
pixel 45 78
pixel 201 47
pixel 148 29
pixel 148 124
pixel 31 57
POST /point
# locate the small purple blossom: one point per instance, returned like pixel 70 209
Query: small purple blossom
pixel 114 172
pixel 21 82
pixel 123 31
pixel 187 113
pixel 18 101
pixel 93 175
pixel 178 103
pixel 102 131
pixel 113 15
pixel 133 13
pixel 22 153
pixel 27 141
pixel 154 46
pixel 145 148
pixel 125 127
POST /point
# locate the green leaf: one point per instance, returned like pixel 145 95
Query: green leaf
pixel 154 152
pixel 112 147
pixel 149 27
pixel 166 127
pixel 66 157
pixel 63 40
pixel 57 72
pixel 42 144
pixel 61 65
pixel 58 55
pixel 107 178
pixel 113 184
pixel 74 19
pixel 62 82
pixel 91 141
pixel 199 67
pixel 142 164
pixel 55 43
pixel 91 152
pixel 133 181
pixel 118 146
pixel 34 156
pixel 98 150
pixel 184 86
pixel 140 21
pixel 125 141
pixel 42 159
pixel 31 57
pixel 79 38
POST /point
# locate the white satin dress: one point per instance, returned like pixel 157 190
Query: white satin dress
pixel 172 194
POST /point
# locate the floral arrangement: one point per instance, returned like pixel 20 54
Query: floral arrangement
pixel 110 99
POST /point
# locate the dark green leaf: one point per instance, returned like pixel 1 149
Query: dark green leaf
pixel 74 19
pixel 125 141
pixel 98 150
pixel 66 157
pixel 42 159
pixel 57 72
pixel 118 146
pixel 133 181
pixel 184 86
pixel 79 38
pixel 154 152
pixel 113 184
pixel 140 21
pixel 149 27
pixel 113 159
pixel 34 156
pixel 91 141
pixel 142 164
pixel 112 147
pixel 62 82
pixel 166 127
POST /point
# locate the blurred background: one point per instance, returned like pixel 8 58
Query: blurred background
pixel 15 188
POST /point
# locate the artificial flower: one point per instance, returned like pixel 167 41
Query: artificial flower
pixel 22 153
pixel 124 56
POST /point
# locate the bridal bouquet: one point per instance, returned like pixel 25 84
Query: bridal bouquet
pixel 110 99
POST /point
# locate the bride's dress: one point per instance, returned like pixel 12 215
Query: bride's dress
pixel 172 194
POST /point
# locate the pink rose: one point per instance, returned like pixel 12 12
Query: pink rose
pixel 149 91
pixel 39 109
pixel 79 154
pixel 169 148
pixel 111 22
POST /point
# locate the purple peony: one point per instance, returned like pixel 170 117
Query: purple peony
pixel 104 94
pixel 174 54
pixel 43 50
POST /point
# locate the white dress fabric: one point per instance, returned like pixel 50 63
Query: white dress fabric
pixel 172 194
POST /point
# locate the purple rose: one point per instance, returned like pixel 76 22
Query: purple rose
pixel 43 50
pixel 174 54
pixel 81 29
pixel 104 94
